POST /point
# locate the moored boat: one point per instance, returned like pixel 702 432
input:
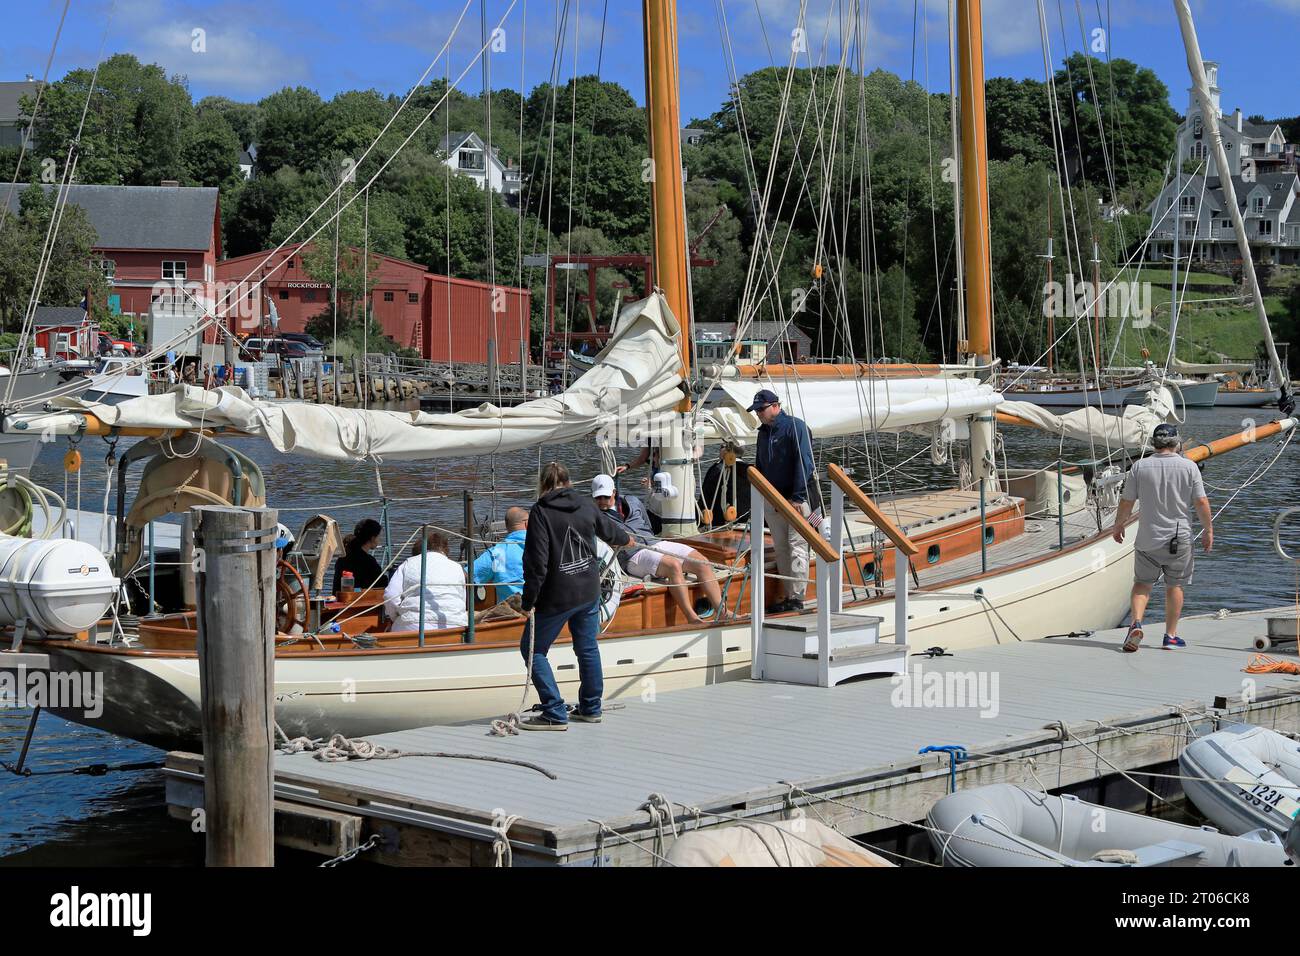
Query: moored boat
pixel 1244 778
pixel 1005 825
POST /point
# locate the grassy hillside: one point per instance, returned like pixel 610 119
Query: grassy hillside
pixel 1214 325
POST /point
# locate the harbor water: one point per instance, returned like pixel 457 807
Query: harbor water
pixel 58 817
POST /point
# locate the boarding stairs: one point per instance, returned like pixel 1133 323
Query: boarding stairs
pixel 828 645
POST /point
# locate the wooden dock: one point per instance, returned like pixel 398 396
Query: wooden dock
pixel 1054 713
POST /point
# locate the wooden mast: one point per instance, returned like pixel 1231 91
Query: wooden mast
pixel 670 263
pixel 975 184
pixel 975 225
pixel 667 198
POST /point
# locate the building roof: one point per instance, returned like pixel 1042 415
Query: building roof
pixel 1269 181
pixel 10 94
pixel 59 315
pixel 1258 130
pixel 454 141
pixel 144 217
pixel 767 331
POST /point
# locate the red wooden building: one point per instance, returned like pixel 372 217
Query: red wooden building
pixel 149 237
pixel 445 319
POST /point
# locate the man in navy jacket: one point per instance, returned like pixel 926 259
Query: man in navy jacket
pixel 785 459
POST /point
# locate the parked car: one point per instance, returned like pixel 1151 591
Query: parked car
pixel 288 348
pixel 313 343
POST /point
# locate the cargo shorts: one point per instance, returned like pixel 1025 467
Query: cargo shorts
pixel 1150 566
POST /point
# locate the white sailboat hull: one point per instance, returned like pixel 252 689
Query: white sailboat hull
pixel 154 697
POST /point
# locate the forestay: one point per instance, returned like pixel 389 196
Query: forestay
pixel 636 376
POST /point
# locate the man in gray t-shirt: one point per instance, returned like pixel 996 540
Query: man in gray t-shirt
pixel 1167 487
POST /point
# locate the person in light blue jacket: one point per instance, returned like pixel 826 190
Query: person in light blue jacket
pixel 503 563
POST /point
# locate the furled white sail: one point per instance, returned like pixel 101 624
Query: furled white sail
pixel 1212 368
pixel 833 407
pixel 1129 430
pixel 636 376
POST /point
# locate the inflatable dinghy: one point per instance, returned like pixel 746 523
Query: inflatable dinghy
pixel 1243 778
pixel 1005 825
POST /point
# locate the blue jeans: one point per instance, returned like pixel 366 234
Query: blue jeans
pixel 584 624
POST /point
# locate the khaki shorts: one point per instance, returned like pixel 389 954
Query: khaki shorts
pixel 1150 566
pixel 645 563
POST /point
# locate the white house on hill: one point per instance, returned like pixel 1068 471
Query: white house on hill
pixel 1263 171
pixel 467 155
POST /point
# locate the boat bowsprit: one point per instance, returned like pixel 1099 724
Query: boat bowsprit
pixel 1006 825
pixel 1244 777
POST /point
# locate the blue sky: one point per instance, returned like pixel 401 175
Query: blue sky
pixel 253 48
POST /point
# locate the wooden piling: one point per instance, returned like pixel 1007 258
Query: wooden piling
pixel 236 626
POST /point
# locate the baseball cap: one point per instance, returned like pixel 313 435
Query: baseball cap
pixel 1165 430
pixel 763 398
pixel 602 486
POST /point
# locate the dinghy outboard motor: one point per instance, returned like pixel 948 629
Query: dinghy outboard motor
pixel 57 585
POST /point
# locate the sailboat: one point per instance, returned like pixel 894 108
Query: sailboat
pixel 1008 556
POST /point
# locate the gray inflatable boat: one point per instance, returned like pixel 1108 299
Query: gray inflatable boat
pixel 1006 825
pixel 1243 778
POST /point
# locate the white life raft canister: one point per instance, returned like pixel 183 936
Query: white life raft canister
pixel 59 585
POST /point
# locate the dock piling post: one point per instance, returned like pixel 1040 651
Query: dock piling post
pixel 236 624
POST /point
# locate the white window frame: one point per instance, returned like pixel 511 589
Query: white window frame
pixel 177 274
pixel 109 268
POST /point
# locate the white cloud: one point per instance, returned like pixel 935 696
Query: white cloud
pixel 227 54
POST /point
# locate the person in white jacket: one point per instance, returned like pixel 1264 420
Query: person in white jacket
pixel 444 589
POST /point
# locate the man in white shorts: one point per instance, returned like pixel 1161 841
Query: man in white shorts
pixel 1166 486
pixel 670 561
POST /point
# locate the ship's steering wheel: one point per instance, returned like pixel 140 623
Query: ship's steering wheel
pixel 290 598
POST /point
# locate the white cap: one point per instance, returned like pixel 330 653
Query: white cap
pixel 283 536
pixel 602 486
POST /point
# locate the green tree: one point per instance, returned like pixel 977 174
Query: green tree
pixel 243 118
pixel 136 122
pixel 290 130
pixel 74 273
pixel 211 152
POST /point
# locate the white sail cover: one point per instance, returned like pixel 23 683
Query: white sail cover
pixel 1132 429
pixel 635 375
pixel 1212 368
pixel 834 407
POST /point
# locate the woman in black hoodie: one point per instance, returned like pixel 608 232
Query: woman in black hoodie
pixel 358 559
pixel 562 586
